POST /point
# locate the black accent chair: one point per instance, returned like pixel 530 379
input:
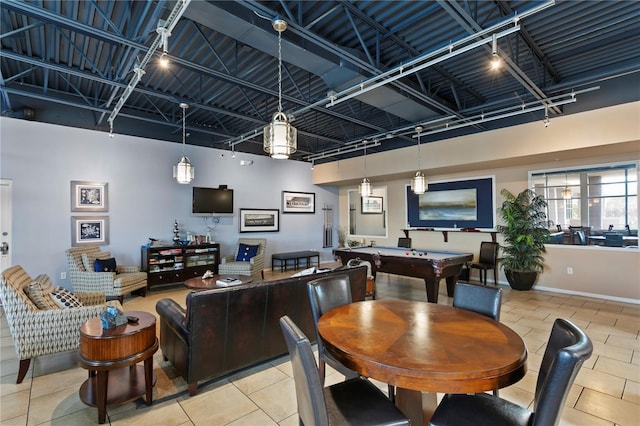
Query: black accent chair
pixel 353 402
pixel 566 351
pixel 488 260
pixel 404 242
pixel 482 300
pixel 324 295
pixel 613 239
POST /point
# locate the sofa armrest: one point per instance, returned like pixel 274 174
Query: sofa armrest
pixel 174 315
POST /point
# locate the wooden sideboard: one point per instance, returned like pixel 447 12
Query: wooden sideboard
pixel 174 264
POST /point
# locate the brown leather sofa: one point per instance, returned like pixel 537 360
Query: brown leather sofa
pixel 228 329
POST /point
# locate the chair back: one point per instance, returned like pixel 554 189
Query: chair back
pixel 613 239
pixel 488 252
pixel 404 242
pixel 582 239
pixel 74 257
pixel 480 299
pixel 325 294
pixel 312 407
pixel 566 351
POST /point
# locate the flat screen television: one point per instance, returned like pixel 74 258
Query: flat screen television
pixel 213 201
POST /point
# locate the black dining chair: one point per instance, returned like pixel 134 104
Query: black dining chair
pixel 356 401
pixel 613 240
pixel 582 239
pixel 567 349
pixel 482 300
pixel 324 295
pixel 487 260
pixel 404 242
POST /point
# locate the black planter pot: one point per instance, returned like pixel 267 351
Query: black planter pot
pixel 521 280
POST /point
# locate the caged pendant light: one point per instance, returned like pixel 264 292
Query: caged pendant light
pixel 184 172
pixel 280 137
pixel 365 186
pixel 419 183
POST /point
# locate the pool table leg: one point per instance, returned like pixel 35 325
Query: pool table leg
pixel 432 286
pixel 451 284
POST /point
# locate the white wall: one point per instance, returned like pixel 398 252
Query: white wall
pixel 144 199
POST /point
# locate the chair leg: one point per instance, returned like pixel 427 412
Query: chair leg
pixel 392 393
pixel 321 371
pixel 121 299
pixel 262 273
pixel 22 370
pixel 495 276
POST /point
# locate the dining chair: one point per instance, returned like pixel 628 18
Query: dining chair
pixel 325 294
pixel 480 299
pixel 404 242
pixel 612 239
pixel 356 401
pixel 582 239
pixel 487 260
pixel 567 349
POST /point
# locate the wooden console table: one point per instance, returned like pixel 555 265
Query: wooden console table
pixel 445 232
pixel 111 357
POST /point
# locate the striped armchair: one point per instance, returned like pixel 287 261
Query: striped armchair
pixel 37 332
pixel 84 279
pixel 254 267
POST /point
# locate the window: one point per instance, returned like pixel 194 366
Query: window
pixel 599 197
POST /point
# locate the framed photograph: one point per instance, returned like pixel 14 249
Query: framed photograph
pixel 372 205
pixel 89 196
pixel 298 202
pixel 466 203
pixel 89 230
pixel 259 220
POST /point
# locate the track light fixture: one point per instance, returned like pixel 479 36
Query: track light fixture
pixel 164 34
pixel 546 116
pixel 280 137
pixel 184 172
pixel 419 182
pixel 496 62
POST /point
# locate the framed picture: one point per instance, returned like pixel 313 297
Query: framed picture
pixel 466 203
pixel 259 220
pixel 298 202
pixel 372 205
pixel 89 230
pixel 89 196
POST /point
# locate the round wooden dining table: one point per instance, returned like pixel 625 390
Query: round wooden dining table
pixel 423 348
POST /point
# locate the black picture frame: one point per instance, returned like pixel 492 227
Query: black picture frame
pixel 466 203
pixel 259 220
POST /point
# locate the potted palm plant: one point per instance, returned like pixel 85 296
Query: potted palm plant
pixel 525 230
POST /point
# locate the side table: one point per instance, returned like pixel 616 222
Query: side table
pixel 111 357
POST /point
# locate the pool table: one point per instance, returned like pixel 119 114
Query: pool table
pixel 428 265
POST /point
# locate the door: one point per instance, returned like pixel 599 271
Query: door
pixel 5 223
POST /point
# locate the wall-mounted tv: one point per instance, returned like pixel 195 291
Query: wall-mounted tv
pixel 212 201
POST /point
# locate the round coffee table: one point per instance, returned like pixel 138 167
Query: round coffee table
pixel 197 283
pixel 111 357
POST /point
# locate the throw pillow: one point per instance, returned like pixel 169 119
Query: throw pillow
pixel 246 252
pixel 88 260
pixel 65 299
pixel 105 265
pixel 39 291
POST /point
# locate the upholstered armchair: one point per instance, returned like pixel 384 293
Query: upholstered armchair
pixel 37 331
pixel 85 279
pixel 236 263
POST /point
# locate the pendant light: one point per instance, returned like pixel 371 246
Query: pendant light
pixel 280 137
pixel 566 192
pixel 365 186
pixel 419 183
pixel 184 172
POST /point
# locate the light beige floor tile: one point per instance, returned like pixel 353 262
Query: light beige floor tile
pixel 14 405
pixel 257 417
pixel 8 384
pixel 621 412
pixel 618 368
pixel 635 358
pixel 612 352
pixel 55 382
pixel 517 396
pixel 257 380
pixel 572 417
pixel 600 382
pixel 624 342
pixel 277 400
pixel 218 406
pixel 631 392
pixel 87 416
pixel 54 405
pixel 167 414
pixel 292 420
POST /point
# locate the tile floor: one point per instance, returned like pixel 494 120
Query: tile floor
pixel 605 392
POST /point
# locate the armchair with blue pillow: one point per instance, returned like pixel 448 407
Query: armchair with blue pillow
pixel 92 269
pixel 248 258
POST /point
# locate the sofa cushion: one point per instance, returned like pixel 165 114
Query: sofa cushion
pixel 88 260
pixel 39 291
pixel 246 252
pixel 105 265
pixel 65 299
